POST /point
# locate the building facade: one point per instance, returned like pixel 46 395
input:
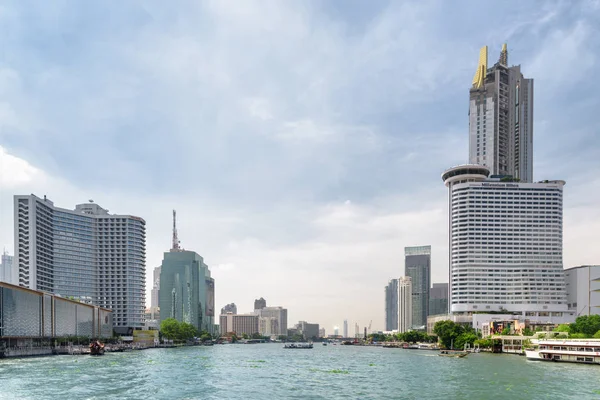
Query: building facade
pixel 85 253
pixel 501 118
pixel 417 265
pixel 275 320
pixel 583 289
pixel 438 299
pixel 187 289
pixel 155 292
pixel 505 241
pixel 405 309
pixel 391 305
pixel 6 266
pixel 239 324
pixel 260 304
pixel 26 313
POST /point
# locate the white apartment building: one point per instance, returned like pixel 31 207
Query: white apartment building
pixel 404 304
pixel 505 241
pixel 84 253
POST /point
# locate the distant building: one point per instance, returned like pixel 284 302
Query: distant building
pixel 229 308
pixel 405 304
pixel 187 289
pixel 391 305
pixel 260 304
pixel 83 253
pixel 417 265
pixel 583 289
pixel 345 328
pixel 275 322
pixel 240 324
pixel 154 293
pixel 308 331
pixel 322 333
pixel 438 299
pixel 336 331
pixel 6 266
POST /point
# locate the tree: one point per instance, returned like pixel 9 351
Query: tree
pixel 586 324
pixel 527 332
pixel 187 331
pixel 597 335
pixel 169 328
pixel 505 331
pixel 563 328
pixel 448 331
pixel 463 339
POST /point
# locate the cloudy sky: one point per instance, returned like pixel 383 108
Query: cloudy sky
pixel 300 142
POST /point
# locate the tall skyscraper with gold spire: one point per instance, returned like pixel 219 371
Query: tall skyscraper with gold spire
pixel 501 118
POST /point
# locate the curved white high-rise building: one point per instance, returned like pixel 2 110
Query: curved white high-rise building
pixel 85 253
pixel 505 241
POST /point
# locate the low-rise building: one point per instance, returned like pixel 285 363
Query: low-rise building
pixel 32 314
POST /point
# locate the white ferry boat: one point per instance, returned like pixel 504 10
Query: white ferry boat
pixel 576 351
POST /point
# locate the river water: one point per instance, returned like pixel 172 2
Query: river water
pixel 267 371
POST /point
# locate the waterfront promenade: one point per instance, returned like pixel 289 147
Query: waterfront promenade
pixel 268 371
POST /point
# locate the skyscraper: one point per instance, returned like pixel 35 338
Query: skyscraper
pixel 260 304
pixel 501 118
pixel 505 244
pixel 186 289
pixel 345 328
pixel 391 305
pixel 405 309
pixel 85 253
pixel 6 268
pixel 417 265
pixel 438 299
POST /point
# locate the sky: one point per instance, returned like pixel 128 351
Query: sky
pixel 301 143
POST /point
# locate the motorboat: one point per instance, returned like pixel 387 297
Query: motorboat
pixel 453 353
pixel 96 348
pixel 298 346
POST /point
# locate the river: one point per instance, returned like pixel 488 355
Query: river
pixel 267 371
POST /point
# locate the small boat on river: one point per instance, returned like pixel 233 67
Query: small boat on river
pixel 298 346
pixel 453 353
pixel 96 348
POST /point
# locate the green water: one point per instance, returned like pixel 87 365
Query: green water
pixel 267 371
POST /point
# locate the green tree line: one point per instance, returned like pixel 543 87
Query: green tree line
pixel 172 329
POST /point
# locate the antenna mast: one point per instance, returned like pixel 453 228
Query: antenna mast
pixel 175 246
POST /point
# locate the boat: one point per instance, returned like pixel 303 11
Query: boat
pixel 575 351
pixel 453 353
pixel 324 343
pixel 347 343
pixel 96 348
pixel 298 346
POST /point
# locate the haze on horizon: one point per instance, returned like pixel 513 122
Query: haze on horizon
pixel 300 143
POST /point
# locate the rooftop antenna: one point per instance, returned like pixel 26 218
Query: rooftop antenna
pixel 175 240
